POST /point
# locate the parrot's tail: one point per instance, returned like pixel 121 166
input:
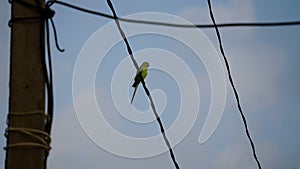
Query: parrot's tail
pixel 133 94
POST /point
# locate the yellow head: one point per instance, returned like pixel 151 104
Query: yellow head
pixel 144 66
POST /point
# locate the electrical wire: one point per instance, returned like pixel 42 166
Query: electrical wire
pixel 226 25
pixel 232 85
pixel 48 13
pixel 144 84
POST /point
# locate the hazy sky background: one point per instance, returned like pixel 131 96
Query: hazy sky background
pixel 265 66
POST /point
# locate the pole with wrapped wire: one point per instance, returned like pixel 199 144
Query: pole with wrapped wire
pixel 26 118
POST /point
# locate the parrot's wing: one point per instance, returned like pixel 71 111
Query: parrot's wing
pixel 138 78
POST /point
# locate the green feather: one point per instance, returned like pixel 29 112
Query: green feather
pixel 137 79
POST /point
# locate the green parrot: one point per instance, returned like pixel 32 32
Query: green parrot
pixel 137 79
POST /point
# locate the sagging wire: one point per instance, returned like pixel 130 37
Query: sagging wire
pixel 47 14
pixel 144 84
pixel 237 24
pixel 232 85
pixel 37 134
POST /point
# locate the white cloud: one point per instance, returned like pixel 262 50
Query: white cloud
pixel 256 70
pixel 233 10
pixel 270 155
pixel 236 155
pixel 70 145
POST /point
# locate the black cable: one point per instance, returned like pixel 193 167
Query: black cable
pixel 55 36
pixel 50 99
pixel 237 24
pixel 47 13
pixel 81 9
pixel 144 84
pixel 233 86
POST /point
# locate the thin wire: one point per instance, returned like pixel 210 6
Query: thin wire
pixel 233 86
pixel 44 13
pixel 44 143
pixel 50 106
pixel 55 36
pixel 237 24
pixel 30 113
pixel 50 82
pixel 144 84
pixel 32 144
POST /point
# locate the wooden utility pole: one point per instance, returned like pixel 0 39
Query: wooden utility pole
pixel 27 89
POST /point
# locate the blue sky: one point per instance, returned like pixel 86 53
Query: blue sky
pixel 265 64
